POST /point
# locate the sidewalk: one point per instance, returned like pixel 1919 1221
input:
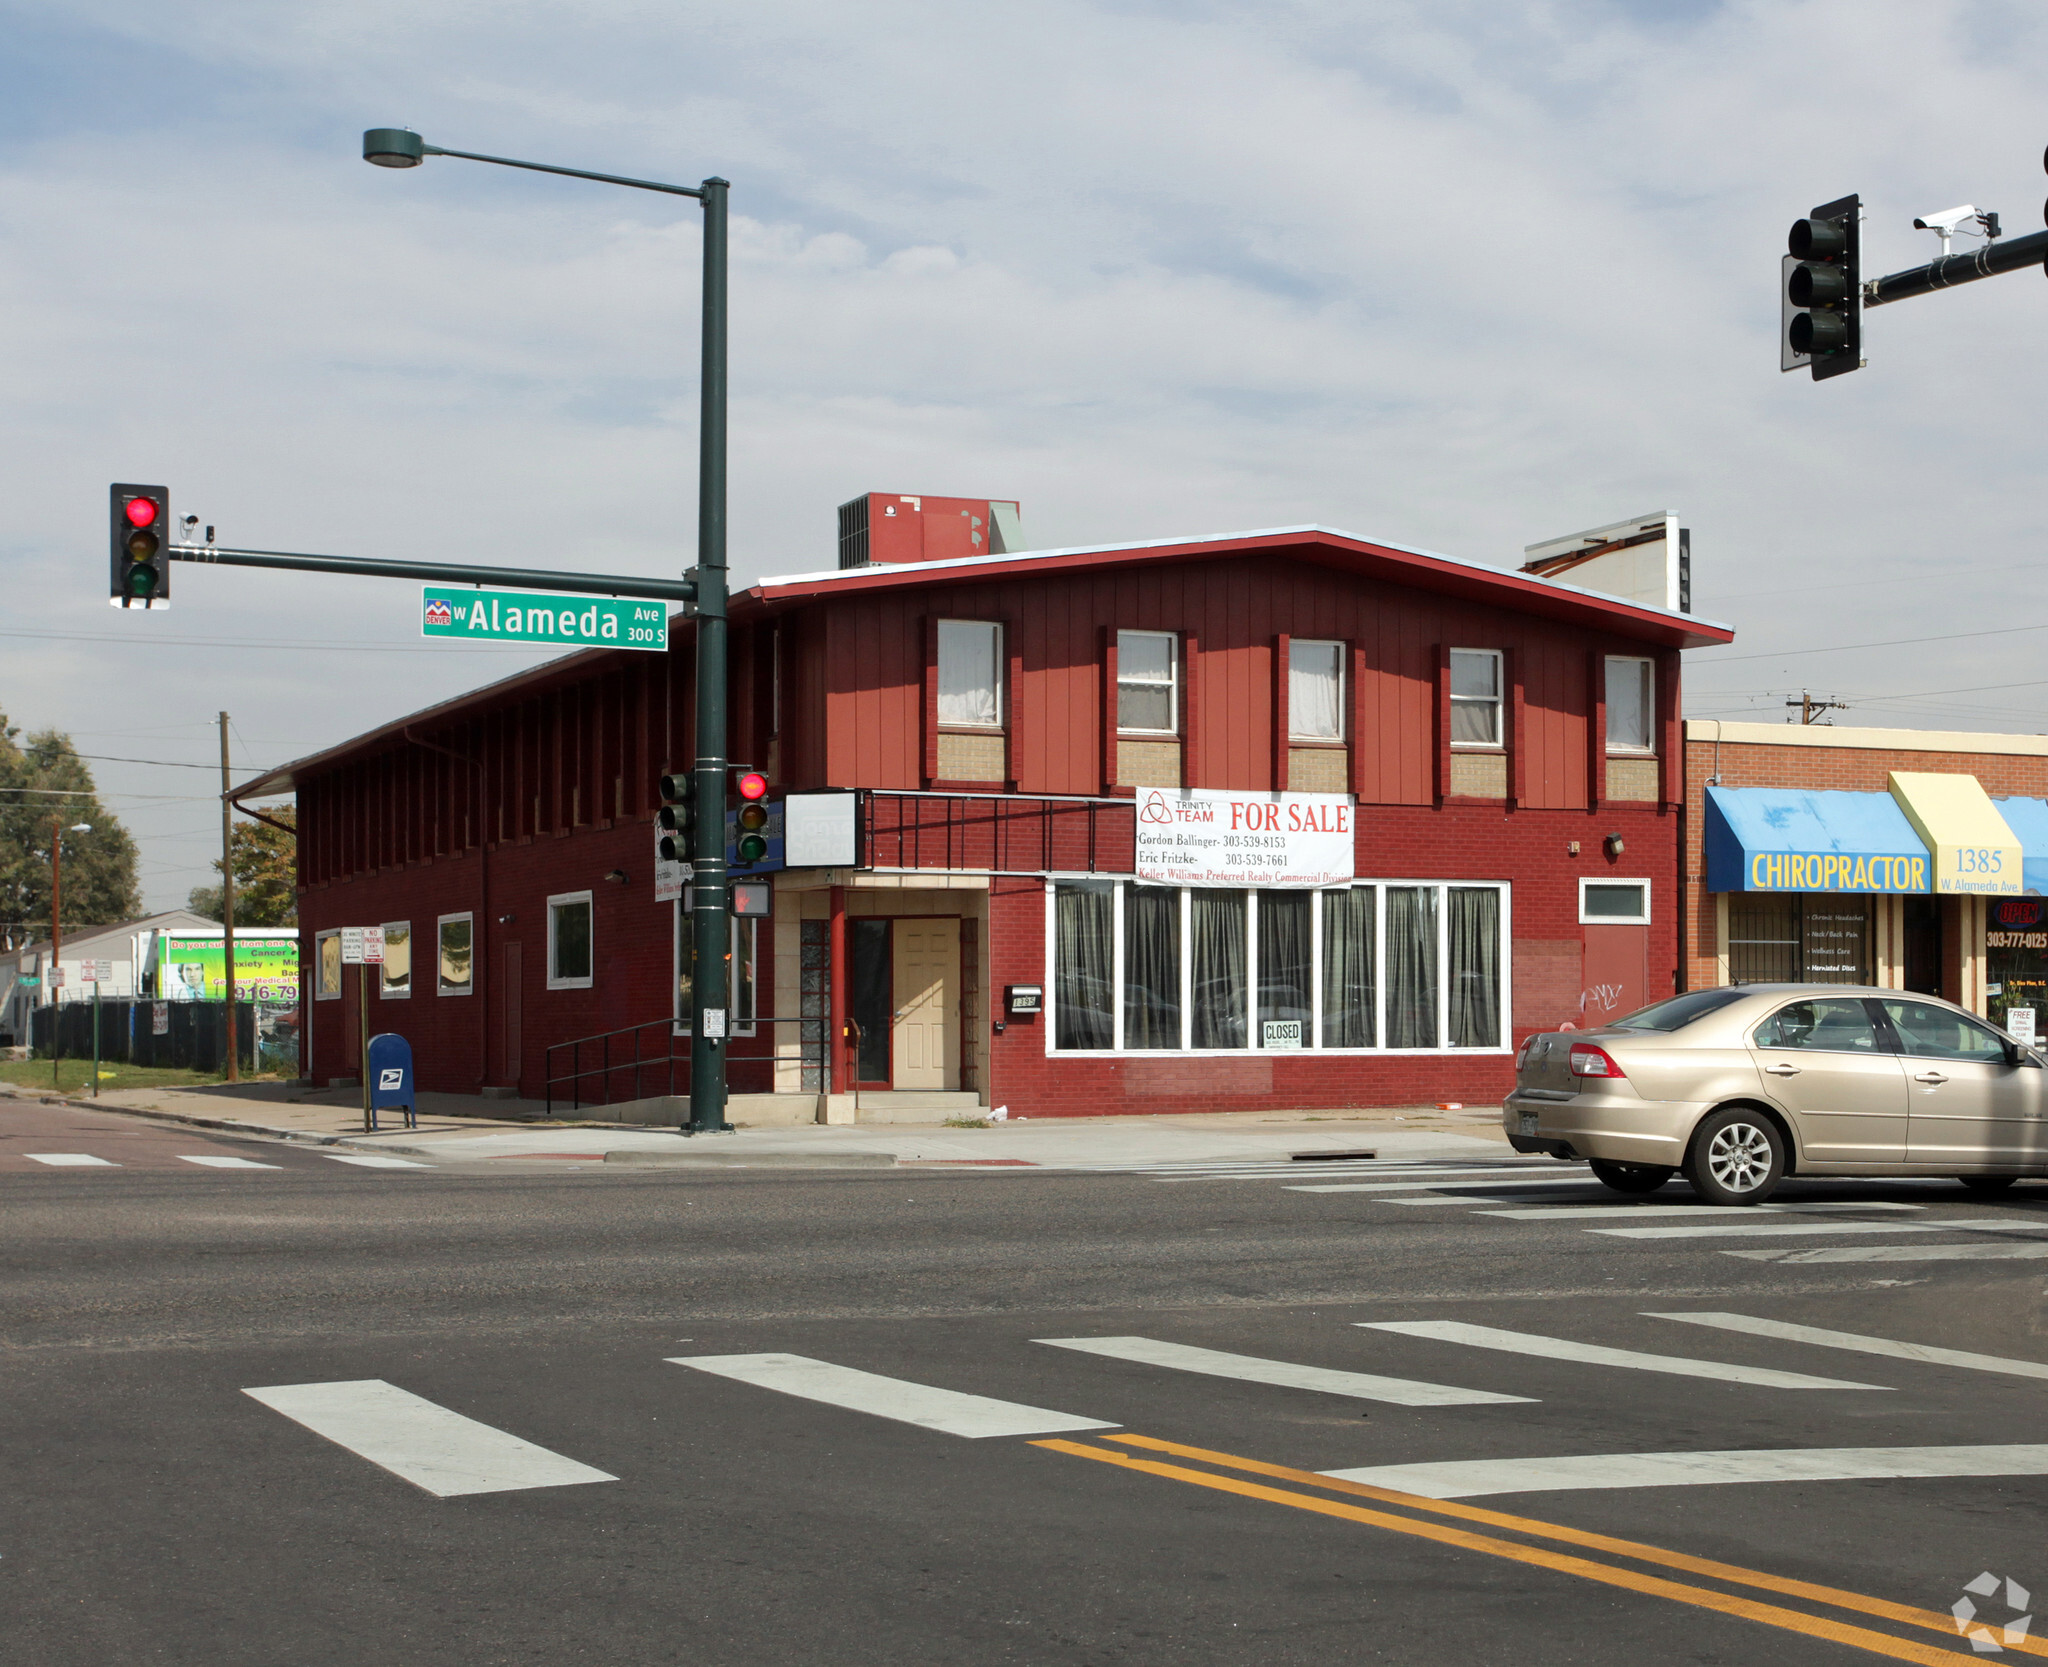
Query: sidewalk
pixel 450 1131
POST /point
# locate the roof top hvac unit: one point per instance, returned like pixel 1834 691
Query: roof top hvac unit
pixel 895 527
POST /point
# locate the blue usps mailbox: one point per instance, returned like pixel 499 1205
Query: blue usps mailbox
pixel 391 1077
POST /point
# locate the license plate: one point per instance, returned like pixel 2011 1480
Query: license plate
pixel 1526 1123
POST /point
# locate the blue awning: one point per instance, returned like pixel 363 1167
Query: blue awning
pixel 1788 839
pixel 2028 819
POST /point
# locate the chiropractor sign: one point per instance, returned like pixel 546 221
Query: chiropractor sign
pixel 1198 836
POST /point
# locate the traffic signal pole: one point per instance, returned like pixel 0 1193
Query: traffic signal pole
pixel 709 899
pixel 2001 254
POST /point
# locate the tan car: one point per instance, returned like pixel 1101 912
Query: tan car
pixel 1739 1088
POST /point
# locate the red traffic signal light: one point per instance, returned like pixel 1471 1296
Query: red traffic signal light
pixel 752 785
pixel 139 565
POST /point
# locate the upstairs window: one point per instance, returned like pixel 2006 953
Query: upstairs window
pixel 454 960
pixel 1475 697
pixel 569 959
pixel 970 691
pixel 1315 690
pixel 1147 682
pixel 1631 705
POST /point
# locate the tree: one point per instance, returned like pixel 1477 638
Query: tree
pixel 266 874
pixel 45 786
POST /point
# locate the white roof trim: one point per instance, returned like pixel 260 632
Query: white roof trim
pixel 1737 733
pixel 976 563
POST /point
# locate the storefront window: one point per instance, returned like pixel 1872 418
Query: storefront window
pixel 1799 938
pixel 1226 970
pixel 2016 964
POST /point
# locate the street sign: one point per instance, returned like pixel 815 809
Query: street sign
pixel 519 616
pixel 373 946
pixel 351 946
pixel 96 972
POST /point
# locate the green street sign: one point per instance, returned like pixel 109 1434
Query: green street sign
pixel 517 616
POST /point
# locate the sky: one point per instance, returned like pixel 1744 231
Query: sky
pixel 1452 275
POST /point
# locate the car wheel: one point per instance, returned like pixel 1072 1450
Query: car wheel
pixel 1737 1157
pixel 1629 1177
pixel 1987 1183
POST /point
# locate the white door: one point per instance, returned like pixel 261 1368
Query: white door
pixel 926 1023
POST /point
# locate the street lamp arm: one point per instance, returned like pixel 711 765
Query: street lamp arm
pixel 573 173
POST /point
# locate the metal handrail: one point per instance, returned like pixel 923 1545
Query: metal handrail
pixel 666 1061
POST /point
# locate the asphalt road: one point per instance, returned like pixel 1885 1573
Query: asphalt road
pixel 794 1491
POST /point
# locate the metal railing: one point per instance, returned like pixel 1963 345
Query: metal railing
pixel 630 1056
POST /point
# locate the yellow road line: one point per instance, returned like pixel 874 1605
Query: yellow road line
pixel 1787 1620
pixel 1734 1573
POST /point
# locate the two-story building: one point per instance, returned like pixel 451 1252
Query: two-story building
pixel 1276 819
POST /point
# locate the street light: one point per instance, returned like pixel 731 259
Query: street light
pixel 709 903
pixel 57 832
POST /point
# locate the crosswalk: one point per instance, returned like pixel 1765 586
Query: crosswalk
pixel 449 1453
pixel 1530 1192
pixel 170 1160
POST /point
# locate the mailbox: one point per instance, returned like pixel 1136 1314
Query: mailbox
pixel 391 1078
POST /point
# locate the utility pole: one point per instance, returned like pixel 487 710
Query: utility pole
pixel 227 900
pixel 1810 710
pixel 50 973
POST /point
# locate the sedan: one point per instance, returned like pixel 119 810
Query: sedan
pixel 1739 1088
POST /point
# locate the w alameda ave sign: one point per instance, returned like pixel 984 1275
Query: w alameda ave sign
pixel 519 616
pixel 1198 836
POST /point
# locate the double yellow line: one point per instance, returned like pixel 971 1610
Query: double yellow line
pixel 1608 1574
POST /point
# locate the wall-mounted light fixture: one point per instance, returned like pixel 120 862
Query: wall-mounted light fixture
pixel 617 876
pixel 1614 845
pixel 506 920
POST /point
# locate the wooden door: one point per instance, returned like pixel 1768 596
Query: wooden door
pixel 926 1026
pixel 509 965
pixel 1616 980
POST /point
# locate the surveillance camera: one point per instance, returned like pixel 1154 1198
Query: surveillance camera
pixel 1947 220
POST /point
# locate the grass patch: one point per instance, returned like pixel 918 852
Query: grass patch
pixel 71 1076
pixel 969 1123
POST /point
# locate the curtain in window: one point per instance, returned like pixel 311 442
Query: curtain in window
pixel 1083 950
pixel 1475 967
pixel 1286 971
pixel 1628 703
pixel 1411 967
pixel 1216 926
pixel 967 672
pixel 1151 967
pixel 1313 680
pixel 1348 968
pixel 1475 697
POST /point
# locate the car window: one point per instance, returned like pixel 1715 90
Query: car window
pixel 1820 1027
pixel 1931 1032
pixel 1675 1012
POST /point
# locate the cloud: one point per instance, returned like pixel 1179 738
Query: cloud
pixel 1454 275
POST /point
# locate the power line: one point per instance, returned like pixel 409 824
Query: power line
pixel 1889 642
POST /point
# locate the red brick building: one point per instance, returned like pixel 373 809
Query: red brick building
pixel 1061 772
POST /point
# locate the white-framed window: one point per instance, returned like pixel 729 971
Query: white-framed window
pixel 397 983
pixel 455 954
pixel 570 951
pixel 741 993
pixel 1148 682
pixel 1604 902
pixel 327 965
pixel 1631 705
pixel 970 674
pixel 1475 697
pixel 1378 966
pixel 1315 690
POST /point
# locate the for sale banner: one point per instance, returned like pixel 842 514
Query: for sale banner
pixel 195 969
pixel 1200 836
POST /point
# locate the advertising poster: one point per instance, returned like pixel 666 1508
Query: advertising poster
pixel 1195 836
pixel 195 969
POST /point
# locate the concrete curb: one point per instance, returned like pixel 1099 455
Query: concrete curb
pixel 757 1160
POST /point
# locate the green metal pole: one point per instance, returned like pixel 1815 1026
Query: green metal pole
pixel 95 1041
pixel 709 900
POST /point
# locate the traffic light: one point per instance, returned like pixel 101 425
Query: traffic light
pixel 139 527
pixel 752 817
pixel 1821 317
pixel 676 821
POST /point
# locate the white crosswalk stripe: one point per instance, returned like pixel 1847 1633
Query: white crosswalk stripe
pixel 1594 1354
pixel 1286 1374
pixel 428 1445
pixel 71 1160
pixel 1855 1342
pixel 1465 1479
pixel 372 1160
pixel 1789 1229
pixel 946 1410
pixel 1488 1182
pixel 1668 1212
pixel 226 1163
pixel 1902 1253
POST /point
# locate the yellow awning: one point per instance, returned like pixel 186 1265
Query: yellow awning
pixel 1974 851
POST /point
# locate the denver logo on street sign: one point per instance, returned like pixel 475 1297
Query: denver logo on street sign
pixel 515 616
